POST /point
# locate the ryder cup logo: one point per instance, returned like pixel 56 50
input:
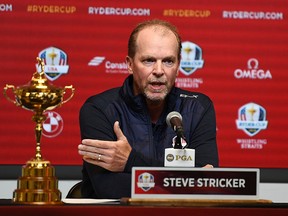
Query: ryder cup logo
pixel 191 58
pixel 145 181
pixel 55 61
pixel 251 119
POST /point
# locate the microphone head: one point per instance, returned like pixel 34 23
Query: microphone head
pixel 172 115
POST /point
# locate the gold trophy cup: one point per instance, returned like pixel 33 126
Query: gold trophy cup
pixel 38 183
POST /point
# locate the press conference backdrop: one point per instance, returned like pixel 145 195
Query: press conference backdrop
pixel 234 51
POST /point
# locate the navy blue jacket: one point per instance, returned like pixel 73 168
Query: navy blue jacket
pixel 148 141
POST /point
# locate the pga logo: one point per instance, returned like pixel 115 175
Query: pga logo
pixel 178 157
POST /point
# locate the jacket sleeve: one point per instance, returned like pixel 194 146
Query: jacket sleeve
pixel 98 182
pixel 203 139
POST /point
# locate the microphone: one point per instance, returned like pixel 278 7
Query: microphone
pixel 179 155
pixel 174 120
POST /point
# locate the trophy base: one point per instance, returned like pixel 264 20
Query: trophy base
pixel 38 184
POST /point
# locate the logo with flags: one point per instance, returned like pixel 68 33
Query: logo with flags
pixel 146 181
pixel 191 58
pixel 251 119
pixel 55 61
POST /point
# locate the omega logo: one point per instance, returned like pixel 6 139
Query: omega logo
pixel 252 71
pixel 252 63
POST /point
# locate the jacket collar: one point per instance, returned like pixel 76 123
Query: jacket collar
pixel 138 103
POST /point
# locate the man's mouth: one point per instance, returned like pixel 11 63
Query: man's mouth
pixel 157 85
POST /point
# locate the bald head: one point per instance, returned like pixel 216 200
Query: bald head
pixel 162 27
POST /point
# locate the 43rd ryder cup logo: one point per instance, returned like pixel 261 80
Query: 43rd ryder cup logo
pixel 251 119
pixel 191 58
pixel 55 61
pixel 146 181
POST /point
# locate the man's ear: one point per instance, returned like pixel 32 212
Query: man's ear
pixel 129 64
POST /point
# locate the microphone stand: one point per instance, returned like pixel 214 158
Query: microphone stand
pixel 179 137
pixel 178 144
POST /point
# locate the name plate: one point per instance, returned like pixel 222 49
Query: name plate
pixel 195 183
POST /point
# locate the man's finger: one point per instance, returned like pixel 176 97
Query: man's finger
pixel 118 131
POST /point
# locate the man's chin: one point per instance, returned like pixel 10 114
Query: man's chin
pixel 156 97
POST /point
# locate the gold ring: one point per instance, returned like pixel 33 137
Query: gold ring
pixel 99 157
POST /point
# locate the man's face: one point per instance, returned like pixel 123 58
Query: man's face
pixel 155 64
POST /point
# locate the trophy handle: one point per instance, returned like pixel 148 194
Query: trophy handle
pixel 71 95
pixel 6 95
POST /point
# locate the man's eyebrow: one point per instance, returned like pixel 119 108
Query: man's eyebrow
pixel 170 57
pixel 147 56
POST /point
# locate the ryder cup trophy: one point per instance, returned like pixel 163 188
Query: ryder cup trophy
pixel 38 183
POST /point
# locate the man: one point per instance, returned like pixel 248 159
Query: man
pixel 126 127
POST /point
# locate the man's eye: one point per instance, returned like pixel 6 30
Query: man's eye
pixel 148 61
pixel 168 63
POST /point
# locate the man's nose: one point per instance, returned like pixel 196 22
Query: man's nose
pixel 158 68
